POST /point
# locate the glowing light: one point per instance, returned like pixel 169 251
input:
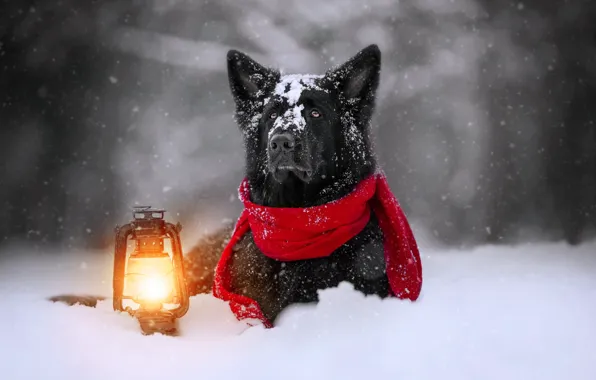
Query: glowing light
pixel 154 288
pixel 150 279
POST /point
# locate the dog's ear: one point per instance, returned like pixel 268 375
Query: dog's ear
pixel 248 79
pixel 358 78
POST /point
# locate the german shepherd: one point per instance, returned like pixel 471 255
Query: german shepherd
pixel 307 143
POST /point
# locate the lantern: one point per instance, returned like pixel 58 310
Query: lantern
pixel 148 277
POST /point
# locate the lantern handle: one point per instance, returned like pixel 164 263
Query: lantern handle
pixel 122 234
pixel 178 260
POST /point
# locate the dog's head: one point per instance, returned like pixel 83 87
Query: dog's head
pixel 306 136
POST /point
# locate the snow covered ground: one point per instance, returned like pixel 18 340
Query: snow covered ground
pixel 525 312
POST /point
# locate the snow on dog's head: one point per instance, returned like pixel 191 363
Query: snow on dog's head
pixel 290 88
pixel 306 135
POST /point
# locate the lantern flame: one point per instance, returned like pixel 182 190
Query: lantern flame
pixel 150 279
pixel 154 288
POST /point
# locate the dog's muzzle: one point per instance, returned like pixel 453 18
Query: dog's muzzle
pixel 287 155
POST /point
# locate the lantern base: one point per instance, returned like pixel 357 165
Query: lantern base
pixel 163 322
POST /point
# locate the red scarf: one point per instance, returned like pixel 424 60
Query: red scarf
pixel 289 234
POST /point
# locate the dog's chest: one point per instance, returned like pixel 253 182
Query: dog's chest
pixel 359 260
pixel 275 284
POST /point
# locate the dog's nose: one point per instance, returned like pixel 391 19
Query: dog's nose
pixel 283 142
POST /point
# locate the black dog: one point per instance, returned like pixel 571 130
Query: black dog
pixel 307 143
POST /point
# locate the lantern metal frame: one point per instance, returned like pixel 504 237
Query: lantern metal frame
pixel 149 223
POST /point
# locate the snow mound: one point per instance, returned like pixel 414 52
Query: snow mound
pixel 525 312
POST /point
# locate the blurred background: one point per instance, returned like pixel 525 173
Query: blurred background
pixel 485 122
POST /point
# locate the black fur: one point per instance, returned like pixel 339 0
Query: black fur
pixel 275 284
pixel 331 155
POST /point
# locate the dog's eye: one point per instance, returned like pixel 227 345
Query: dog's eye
pixel 315 113
pixel 273 115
